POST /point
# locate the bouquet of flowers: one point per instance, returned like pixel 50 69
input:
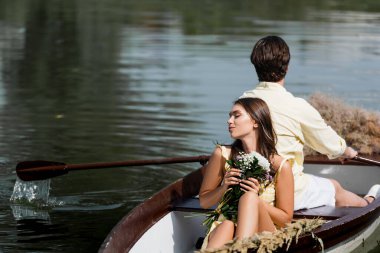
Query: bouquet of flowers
pixel 251 165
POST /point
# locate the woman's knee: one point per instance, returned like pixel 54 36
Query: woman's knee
pixel 221 234
pixel 250 197
pixel 226 227
pixel 228 224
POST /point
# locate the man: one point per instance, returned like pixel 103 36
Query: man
pixel 297 124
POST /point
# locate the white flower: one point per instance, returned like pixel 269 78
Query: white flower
pixel 246 159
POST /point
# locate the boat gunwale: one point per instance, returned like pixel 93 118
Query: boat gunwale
pixel 338 230
pixel 165 198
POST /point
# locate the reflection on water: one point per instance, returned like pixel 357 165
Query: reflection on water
pixel 23 212
pixel 96 81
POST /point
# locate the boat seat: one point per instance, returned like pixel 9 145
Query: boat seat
pixel 190 205
pixel 324 212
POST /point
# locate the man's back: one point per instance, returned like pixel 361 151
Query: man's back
pixel 297 123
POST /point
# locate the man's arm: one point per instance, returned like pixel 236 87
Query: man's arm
pixel 321 137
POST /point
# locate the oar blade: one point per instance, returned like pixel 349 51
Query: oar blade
pixel 36 170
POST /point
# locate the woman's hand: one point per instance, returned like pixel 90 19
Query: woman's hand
pixel 250 184
pixel 232 177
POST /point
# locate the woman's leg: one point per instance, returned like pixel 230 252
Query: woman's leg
pixel 223 233
pixel 347 198
pixel 265 221
pixel 252 216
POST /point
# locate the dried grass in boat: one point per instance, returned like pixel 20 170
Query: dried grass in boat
pixel 267 242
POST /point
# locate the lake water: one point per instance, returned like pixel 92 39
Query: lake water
pixel 96 81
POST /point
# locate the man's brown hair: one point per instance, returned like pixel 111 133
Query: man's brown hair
pixel 271 57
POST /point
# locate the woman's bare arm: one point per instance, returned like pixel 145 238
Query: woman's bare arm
pixel 282 212
pixel 211 191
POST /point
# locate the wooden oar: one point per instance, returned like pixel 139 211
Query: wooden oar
pixel 366 160
pixel 40 170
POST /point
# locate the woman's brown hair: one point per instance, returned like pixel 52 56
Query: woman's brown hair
pixel 258 110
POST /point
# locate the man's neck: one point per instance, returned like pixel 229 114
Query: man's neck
pixel 281 82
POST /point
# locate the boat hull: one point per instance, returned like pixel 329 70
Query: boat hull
pixel 160 224
pixel 179 231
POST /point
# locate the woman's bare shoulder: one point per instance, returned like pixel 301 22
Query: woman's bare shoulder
pixel 223 150
pixel 279 161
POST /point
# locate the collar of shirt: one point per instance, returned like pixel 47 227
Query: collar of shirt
pixel 271 86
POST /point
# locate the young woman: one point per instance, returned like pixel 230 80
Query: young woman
pixel 251 126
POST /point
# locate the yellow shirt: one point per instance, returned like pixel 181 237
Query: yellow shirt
pixel 296 124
